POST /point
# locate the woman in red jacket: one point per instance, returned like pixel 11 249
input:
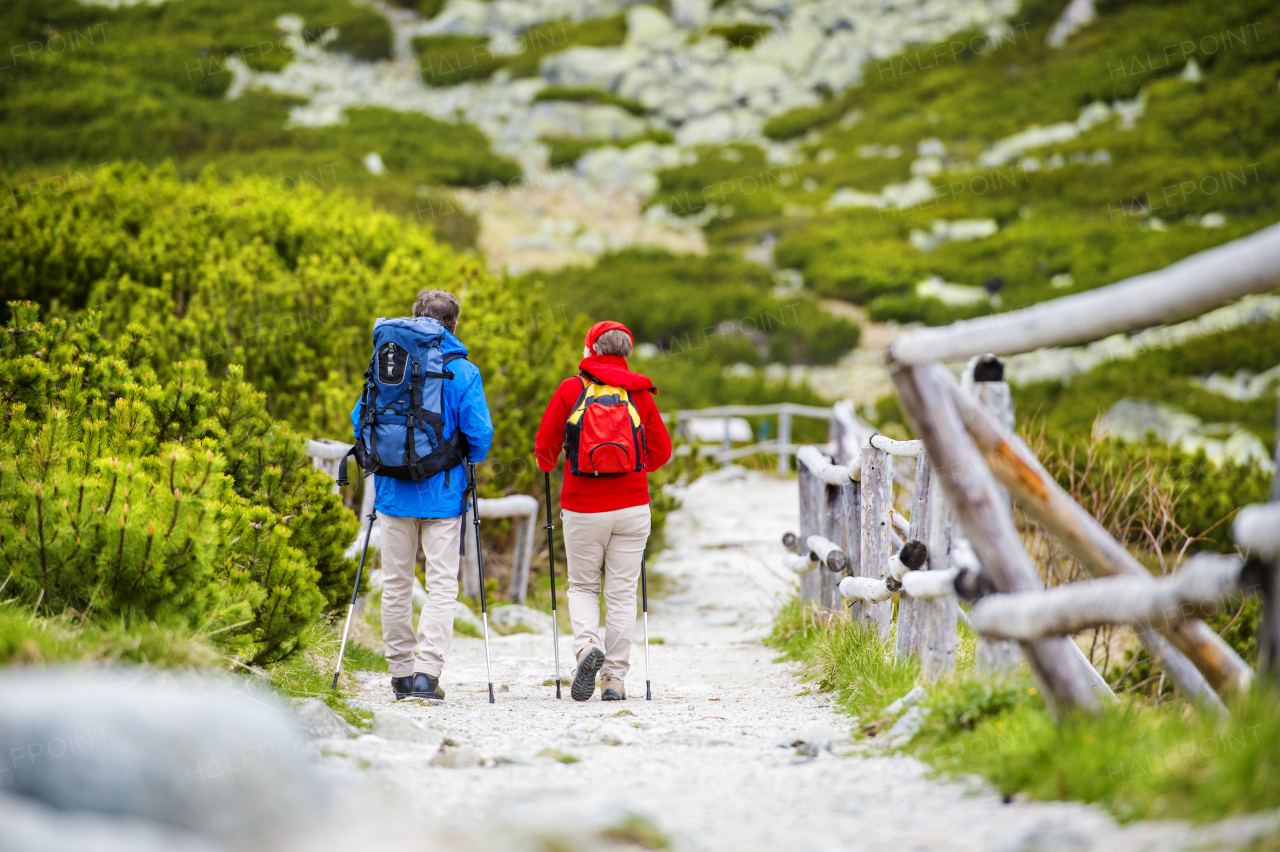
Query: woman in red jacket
pixel 610 422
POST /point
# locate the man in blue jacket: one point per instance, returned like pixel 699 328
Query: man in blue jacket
pixel 427 515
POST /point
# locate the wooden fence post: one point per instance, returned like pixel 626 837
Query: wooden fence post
pixel 938 616
pixel 840 525
pixel 996 657
pixel 877 499
pixel 784 442
pixel 970 488
pixel 1100 554
pixel 811 513
pixel 910 609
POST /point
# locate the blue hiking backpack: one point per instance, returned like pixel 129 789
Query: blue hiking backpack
pixel 401 429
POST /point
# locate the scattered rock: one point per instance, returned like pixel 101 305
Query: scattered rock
pixel 193 754
pixel 455 757
pixel 912 698
pixel 395 726
pixel 463 615
pixel 906 726
pixel 319 722
pixel 517 615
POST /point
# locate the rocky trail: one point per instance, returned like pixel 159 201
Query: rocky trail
pixel 733 752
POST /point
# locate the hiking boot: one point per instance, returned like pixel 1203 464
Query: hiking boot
pixel 402 687
pixel 584 682
pixel 612 689
pixel 426 686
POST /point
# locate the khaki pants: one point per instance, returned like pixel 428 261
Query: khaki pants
pixel 617 539
pixel 401 539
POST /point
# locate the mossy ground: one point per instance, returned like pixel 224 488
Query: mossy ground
pixel 1136 759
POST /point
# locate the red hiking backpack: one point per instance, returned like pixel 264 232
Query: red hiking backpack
pixel 604 435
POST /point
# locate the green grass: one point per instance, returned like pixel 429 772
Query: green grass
pixel 743 35
pixel 447 60
pixel 1137 760
pixel 151 87
pixel 699 310
pixel 588 95
pixel 1077 219
pixel 566 152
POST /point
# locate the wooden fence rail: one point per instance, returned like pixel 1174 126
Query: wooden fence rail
pixel 521 508
pixel 969 468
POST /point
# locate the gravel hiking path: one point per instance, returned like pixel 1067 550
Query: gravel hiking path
pixel 709 763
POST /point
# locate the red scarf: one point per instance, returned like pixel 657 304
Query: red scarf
pixel 612 370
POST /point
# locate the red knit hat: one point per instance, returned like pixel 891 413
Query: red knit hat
pixel 593 334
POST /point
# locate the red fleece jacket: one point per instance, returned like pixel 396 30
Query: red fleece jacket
pixel 587 493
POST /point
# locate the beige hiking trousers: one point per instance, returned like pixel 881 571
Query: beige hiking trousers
pixel 401 539
pixel 617 540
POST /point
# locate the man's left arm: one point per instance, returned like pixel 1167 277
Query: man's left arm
pixel 474 420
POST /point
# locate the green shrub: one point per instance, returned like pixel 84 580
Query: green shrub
pixel 589 95
pixel 173 501
pixel 566 152
pixel 364 34
pixel 428 8
pixel 743 35
pixel 151 86
pixel 715 309
pixel 446 60
pixel 285 287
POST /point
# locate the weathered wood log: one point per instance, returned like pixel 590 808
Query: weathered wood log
pixel 811 507
pixel 864 590
pixel 820 466
pixel 1101 555
pixel 985 375
pixel 849 432
pixel 910 449
pixel 922 585
pixel 844 518
pixel 828 553
pixel 877 499
pixel 901 524
pixel 1257 528
pixel 1199 589
pixel 938 616
pixel 971 489
pixel 1191 286
pixel 800 563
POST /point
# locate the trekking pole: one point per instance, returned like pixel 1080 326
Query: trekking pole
pixel 351 608
pixel 484 609
pixel 551 561
pixel 644 595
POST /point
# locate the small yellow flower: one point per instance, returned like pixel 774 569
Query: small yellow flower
pixel 1031 691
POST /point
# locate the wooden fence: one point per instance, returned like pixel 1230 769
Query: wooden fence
pixel 781 444
pixel 960 538
pixel 523 509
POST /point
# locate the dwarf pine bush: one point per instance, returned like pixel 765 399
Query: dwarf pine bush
pixel 122 495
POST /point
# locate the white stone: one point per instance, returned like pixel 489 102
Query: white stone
pixel 1062 280
pixel 517 615
pixel 715 129
pixel 913 697
pixel 373 162
pixel 951 294
pixel 1213 220
pixel 691 14
pixel 649 28
pixel 1191 72
pixel 587 66
pixel 909 194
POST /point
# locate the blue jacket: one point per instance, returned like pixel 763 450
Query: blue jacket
pixel 465 406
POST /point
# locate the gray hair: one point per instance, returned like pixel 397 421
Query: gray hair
pixel 440 305
pixel 613 342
